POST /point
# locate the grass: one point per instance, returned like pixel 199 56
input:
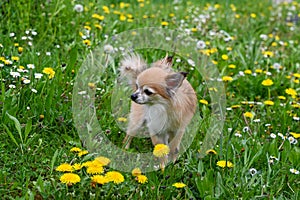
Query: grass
pixel 37 127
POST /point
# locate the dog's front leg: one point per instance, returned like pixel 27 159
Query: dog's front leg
pixel 175 144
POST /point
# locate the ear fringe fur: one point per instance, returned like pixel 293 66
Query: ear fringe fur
pixel 131 66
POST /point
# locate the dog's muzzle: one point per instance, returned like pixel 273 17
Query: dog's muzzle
pixel 134 96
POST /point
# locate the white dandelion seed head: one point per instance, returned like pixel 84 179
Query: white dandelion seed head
pixel 78 8
pixel 108 49
pixel 200 44
pixel 252 171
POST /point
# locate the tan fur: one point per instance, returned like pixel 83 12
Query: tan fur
pixel 167 112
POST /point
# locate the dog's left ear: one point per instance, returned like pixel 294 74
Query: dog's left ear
pixel 174 81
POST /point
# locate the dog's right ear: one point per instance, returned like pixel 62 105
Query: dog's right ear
pixel 175 80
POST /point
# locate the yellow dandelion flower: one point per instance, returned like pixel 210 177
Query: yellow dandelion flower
pixel 87 28
pixel 248 114
pixel 82 153
pixel 253 15
pixel 69 179
pixel 291 91
pixel 122 119
pixel 194 29
pixel 102 160
pixel 227 78
pixel 106 9
pixel 77 166
pixel 98 26
pixel 49 71
pixel 237 16
pixel 268 54
pixel 259 71
pixel 122 17
pixel 75 149
pixel 282 97
pixel 203 101
pixel 214 62
pixel 295 135
pixel 297 75
pixel 136 172
pixel 179 185
pixel 164 23
pixel 99 17
pixel 91 85
pixel 95 168
pixel 269 103
pixel 20 49
pixel 87 42
pixel 65 167
pixel 267 82
pixel 87 164
pixel 161 150
pixel 224 57
pixel 232 66
pixel 223 164
pixel 115 177
pixel 248 71
pixel 142 179
pixel 211 151
pixel 100 179
pixel 15 58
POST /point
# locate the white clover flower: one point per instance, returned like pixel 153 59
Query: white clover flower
pixel 272 135
pixel 78 8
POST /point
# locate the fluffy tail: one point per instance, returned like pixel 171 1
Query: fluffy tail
pixel 131 66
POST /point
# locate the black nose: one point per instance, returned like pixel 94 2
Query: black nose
pixel 134 96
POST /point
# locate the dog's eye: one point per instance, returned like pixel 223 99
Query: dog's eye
pixel 148 92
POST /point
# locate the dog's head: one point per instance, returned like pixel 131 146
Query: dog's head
pixel 156 86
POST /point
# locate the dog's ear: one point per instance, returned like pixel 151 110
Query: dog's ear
pixel 175 80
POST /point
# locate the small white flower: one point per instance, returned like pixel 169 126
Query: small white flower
pixel 78 8
pixel 38 53
pixel 292 140
pixel 272 135
pixel 15 74
pixel 274 158
pixel 48 53
pixel 30 66
pixel 178 60
pixel 168 38
pixel 200 44
pixel 276 66
pixel 30 43
pixel 34 90
pixel 57 46
pixel 237 134
pixel 263 37
pixel 241 73
pixel 294 171
pixel 38 75
pixel 82 92
pixel 191 62
pixel 33 33
pixel 28 108
pixel 296 118
pixel 256 120
pixel 252 171
pixel 27 32
pixel 12 34
pixel 1 64
pixel 12 86
pixel 267 125
pixel 268 73
pixel 229 108
pixel 26 81
pixel 23 38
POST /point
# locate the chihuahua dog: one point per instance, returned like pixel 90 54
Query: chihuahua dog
pixel 163 101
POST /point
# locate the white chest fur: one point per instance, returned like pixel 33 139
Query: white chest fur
pixel 157 119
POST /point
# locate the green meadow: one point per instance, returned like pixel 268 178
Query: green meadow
pixel 253 45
